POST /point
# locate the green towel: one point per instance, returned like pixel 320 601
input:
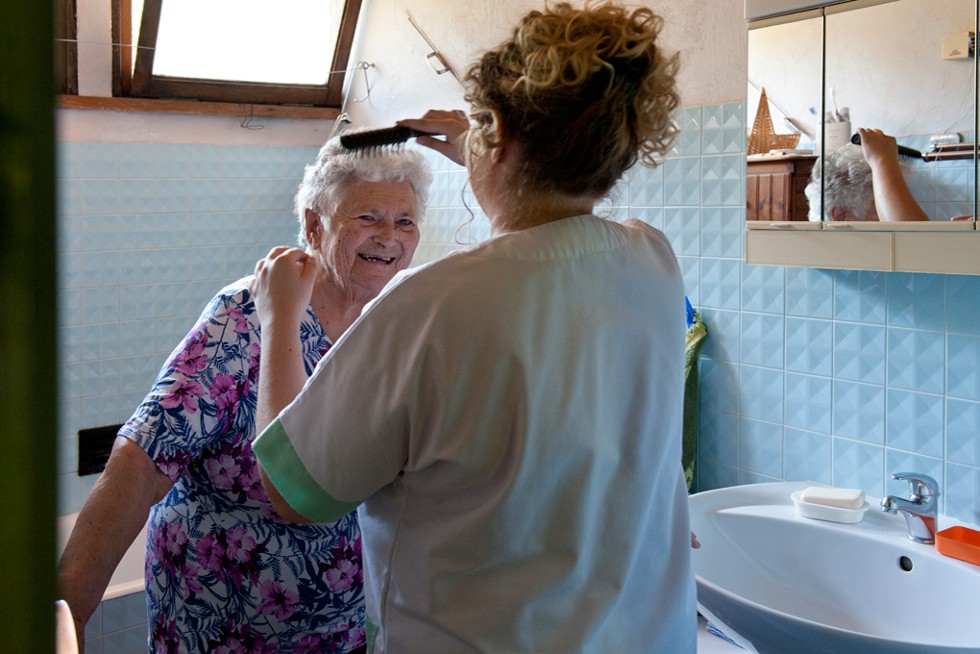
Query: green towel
pixel 696 334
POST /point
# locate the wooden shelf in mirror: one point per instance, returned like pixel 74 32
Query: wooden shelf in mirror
pixel 775 187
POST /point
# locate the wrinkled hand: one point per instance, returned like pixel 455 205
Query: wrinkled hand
pixel 452 125
pixel 877 146
pixel 283 284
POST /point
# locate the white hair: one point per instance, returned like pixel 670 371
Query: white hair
pixel 846 184
pixel 335 167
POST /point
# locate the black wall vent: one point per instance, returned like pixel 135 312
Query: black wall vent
pixel 94 445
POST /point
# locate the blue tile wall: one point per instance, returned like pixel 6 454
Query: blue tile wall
pixel 828 375
pixel 834 376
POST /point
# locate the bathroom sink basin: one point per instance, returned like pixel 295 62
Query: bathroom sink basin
pixel 790 584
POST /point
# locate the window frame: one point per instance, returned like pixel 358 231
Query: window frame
pixel 66 47
pixel 140 82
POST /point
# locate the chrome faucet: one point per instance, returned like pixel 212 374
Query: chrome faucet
pixel 920 509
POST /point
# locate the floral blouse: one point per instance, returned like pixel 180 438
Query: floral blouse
pixel 223 572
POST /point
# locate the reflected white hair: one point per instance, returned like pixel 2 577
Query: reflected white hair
pixel 847 184
pixel 336 167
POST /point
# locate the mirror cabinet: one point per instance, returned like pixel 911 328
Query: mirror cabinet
pixel 818 71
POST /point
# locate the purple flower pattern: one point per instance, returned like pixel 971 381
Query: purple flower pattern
pixel 224 573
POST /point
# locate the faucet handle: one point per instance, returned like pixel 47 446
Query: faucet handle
pixel 920 485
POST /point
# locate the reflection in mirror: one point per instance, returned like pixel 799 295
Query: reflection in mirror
pixel 891 67
pixel 887 70
pixel 785 82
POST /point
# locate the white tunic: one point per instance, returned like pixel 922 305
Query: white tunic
pixel 509 419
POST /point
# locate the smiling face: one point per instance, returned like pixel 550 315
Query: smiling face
pixel 371 236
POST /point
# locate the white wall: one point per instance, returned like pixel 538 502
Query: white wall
pixel 883 62
pixel 711 37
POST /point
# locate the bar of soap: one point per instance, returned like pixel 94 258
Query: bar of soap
pixel 844 498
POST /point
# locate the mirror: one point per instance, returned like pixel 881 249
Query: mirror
pixel 901 66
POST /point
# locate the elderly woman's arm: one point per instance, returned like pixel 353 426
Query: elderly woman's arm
pixel 282 288
pixel 113 515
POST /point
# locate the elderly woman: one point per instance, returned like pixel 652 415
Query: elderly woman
pixel 223 571
pixel 863 183
pixel 509 417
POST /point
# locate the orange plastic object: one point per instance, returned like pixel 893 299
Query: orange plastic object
pixel 960 543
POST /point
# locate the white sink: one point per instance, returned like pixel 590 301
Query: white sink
pixel 794 585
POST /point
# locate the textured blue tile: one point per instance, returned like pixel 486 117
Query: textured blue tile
pixel 691 273
pixel 963 431
pixel 718 438
pixel 763 398
pixel 916 360
pixel 859 465
pixel 723 181
pixel 806 456
pixel 682 181
pixel 963 366
pixel 711 477
pixel 720 283
pixel 138 161
pixel 963 493
pixel 718 385
pixel 962 305
pixel 763 288
pixel 810 292
pixel 723 128
pixel 646 186
pixel 723 342
pixel 859 411
pixel 809 402
pixel 722 231
pixel 760 447
pixel 688 142
pixel 859 296
pixel 762 339
pixel 810 346
pixel 682 225
pixel 859 352
pixel 914 422
pixel 917 300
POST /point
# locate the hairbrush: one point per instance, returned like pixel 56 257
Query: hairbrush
pixel 903 151
pixel 377 139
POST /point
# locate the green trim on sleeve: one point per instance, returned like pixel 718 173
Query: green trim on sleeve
pixel 282 464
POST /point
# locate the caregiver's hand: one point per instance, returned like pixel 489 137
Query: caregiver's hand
pixel 453 125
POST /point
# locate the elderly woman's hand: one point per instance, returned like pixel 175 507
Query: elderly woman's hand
pixel 451 124
pixel 283 285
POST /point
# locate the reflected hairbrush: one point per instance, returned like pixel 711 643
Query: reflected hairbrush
pixel 903 151
pixel 372 140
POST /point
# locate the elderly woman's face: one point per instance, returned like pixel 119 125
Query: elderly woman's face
pixel 372 235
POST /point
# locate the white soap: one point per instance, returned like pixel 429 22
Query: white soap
pixel 845 498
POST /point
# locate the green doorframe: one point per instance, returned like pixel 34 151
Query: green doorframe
pixel 28 364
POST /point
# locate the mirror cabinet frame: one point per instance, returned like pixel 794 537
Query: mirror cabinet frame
pixel 936 247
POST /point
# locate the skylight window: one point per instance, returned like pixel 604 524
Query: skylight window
pixel 242 51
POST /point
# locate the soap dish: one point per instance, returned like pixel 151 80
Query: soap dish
pixel 960 543
pixel 829 513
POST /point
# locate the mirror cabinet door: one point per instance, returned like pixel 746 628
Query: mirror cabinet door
pixel 783 100
pixel 887 69
pixel 904 67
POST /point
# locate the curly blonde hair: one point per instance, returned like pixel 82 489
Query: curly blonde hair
pixel 587 92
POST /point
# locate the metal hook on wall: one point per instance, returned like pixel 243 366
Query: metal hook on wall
pixel 363 67
pixel 248 115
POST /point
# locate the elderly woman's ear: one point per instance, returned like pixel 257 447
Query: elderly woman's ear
pixel 312 228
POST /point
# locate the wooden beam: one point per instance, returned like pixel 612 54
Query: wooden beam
pixel 192 107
